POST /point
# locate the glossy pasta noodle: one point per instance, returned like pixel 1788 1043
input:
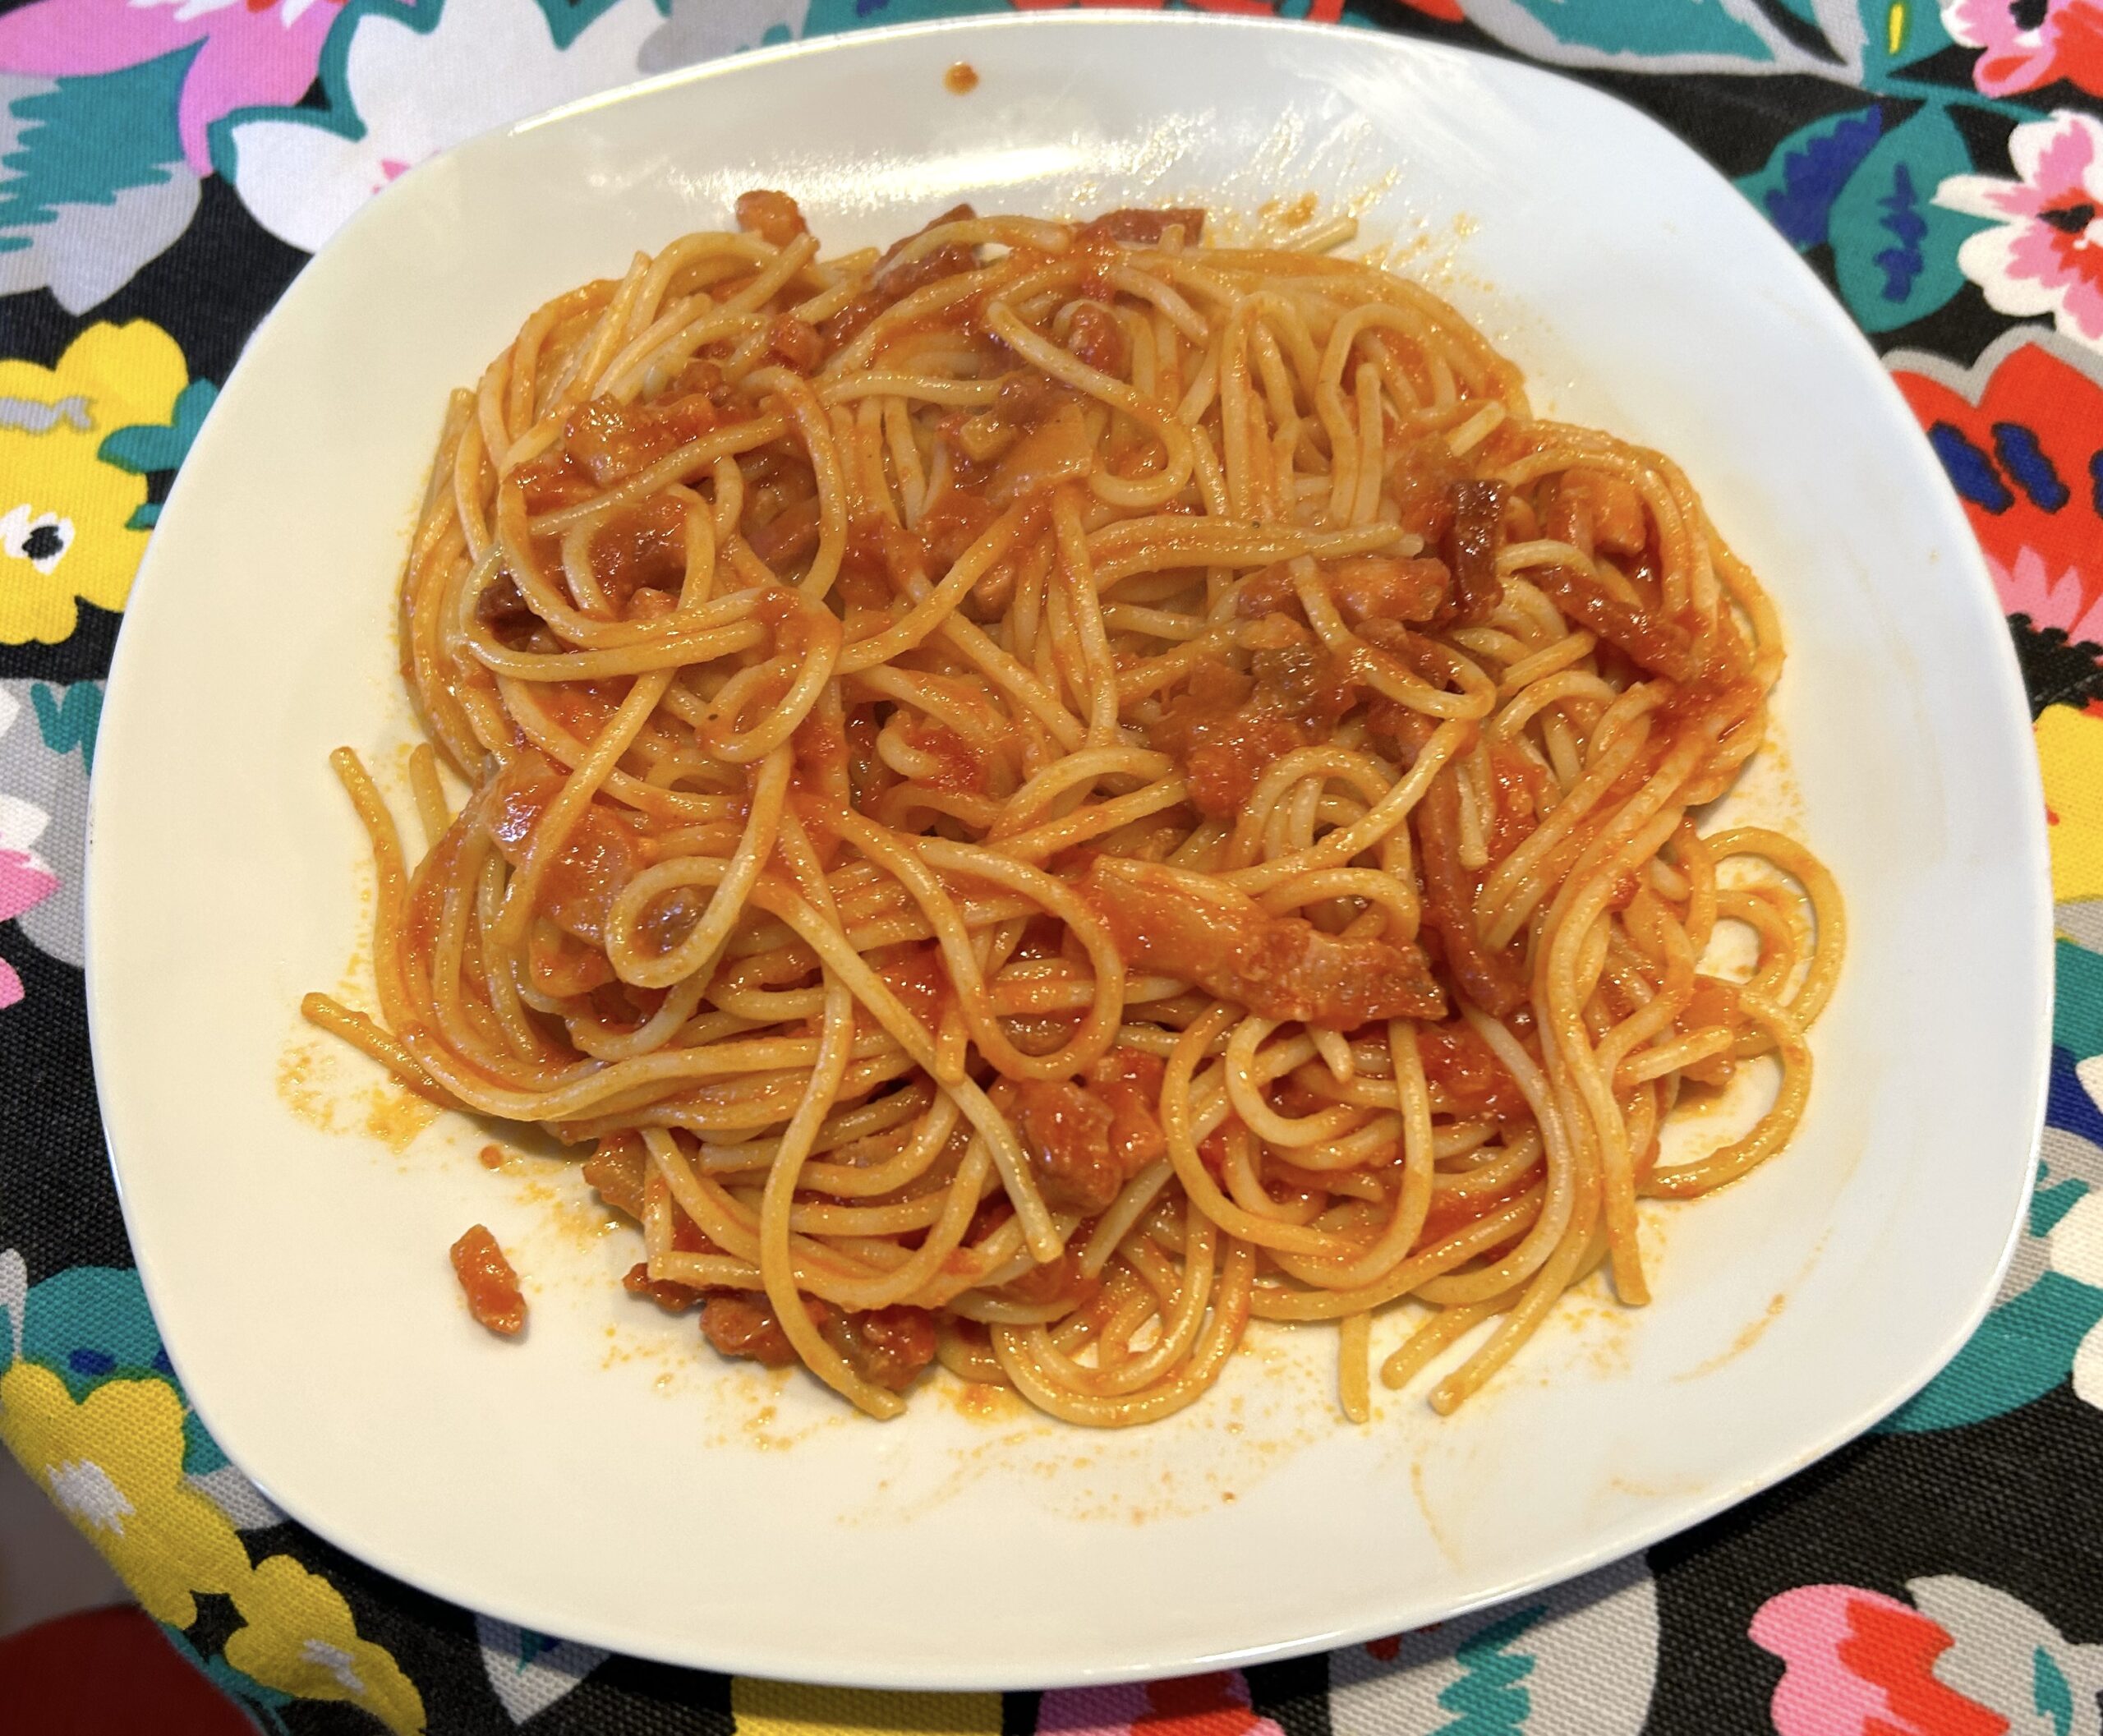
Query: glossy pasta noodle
pixel 1039 796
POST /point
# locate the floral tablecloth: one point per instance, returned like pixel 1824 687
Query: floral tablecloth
pixel 165 167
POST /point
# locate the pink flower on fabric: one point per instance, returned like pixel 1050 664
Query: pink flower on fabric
pixel 2044 254
pixel 2049 600
pixel 25 882
pixel 1861 1664
pixel 247 51
pixel 2030 43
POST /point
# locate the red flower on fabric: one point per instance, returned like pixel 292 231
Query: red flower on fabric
pixel 2030 43
pixel 2021 436
pixel 1214 1705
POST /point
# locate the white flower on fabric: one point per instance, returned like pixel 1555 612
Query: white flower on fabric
pixel 485 62
pixel 247 1508
pixel 2006 1657
pixel 85 1490
pixel 336 1661
pixel 706 29
pixel 21 824
pixel 1577 1659
pixel 529 1671
pixel 14 1279
pixel 2077 1252
pixel 41 539
pixel 2090 1073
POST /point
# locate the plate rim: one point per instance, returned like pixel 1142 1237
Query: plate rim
pixel 1999 665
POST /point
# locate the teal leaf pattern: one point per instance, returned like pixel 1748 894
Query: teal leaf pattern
pixel 1663 27
pixel 2049 1692
pixel 93 183
pixel 90 1325
pixel 68 717
pixel 1806 171
pixel 1655 36
pixel 1896 33
pixel 146 447
pixel 83 141
pixel 2020 1352
pixel 1894 251
pixel 1488 1700
pixel 568 19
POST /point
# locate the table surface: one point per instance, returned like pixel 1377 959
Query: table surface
pixel 166 166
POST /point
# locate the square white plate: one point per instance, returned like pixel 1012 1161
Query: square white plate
pixel 606 1480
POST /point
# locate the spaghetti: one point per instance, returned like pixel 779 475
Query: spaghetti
pixel 1040 796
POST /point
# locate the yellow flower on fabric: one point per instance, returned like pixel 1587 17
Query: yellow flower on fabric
pixel 2070 755
pixel 66 514
pixel 113 1464
pixel 788 1709
pixel 301 1639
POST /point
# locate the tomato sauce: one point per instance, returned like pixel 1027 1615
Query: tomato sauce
pixel 1465 1069
pixel 917 975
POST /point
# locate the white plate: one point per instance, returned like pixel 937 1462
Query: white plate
pixel 609 1481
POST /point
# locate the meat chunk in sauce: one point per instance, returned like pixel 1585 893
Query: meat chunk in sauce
pixel 618 1168
pixel 1226 728
pixel 887 1347
pixel 1597 513
pixel 1086 1140
pixel 1278 967
pixel 673 1298
pixel 1494 981
pixel 614 440
pixel 502 608
pixel 1129 1081
pixel 1364 587
pixel 774 217
pixel 487 1283
pixel 1065 1130
pixel 600 856
pixel 642 548
pixel 1651 639
pixel 1390 588
pixel 1472 547
pixel 796 342
pixel 889 285
pixel 1096 339
pixel 745 1327
pixel 1144 228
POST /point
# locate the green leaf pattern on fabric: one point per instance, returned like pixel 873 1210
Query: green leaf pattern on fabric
pixel 1805 171
pixel 1894 251
pixel 93 183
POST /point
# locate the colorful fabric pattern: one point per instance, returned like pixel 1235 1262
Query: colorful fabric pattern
pixel 166 166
